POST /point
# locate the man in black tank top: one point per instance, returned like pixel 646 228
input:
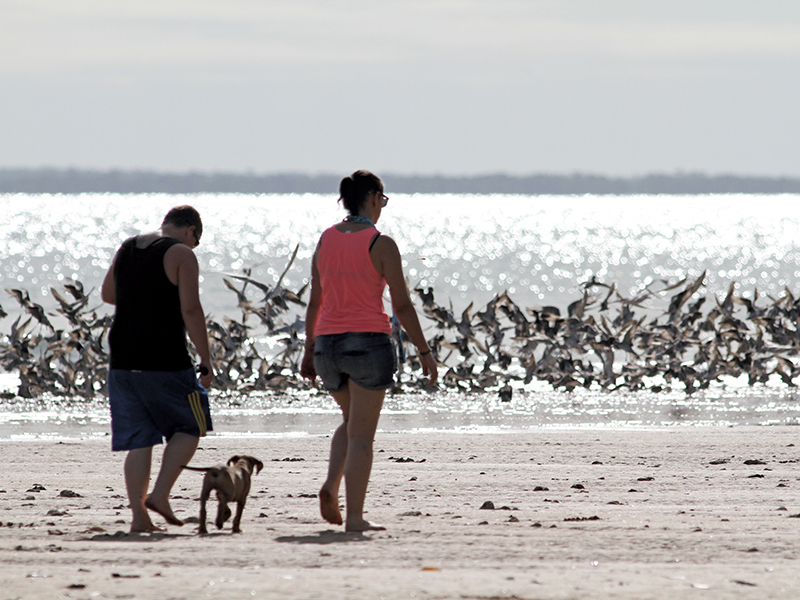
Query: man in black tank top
pixel 153 391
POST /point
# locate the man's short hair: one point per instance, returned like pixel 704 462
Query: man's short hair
pixel 184 216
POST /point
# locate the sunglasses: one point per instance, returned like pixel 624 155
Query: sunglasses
pixel 196 238
pixel 384 199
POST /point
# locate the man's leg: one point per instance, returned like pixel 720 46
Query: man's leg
pixel 179 451
pixel 137 479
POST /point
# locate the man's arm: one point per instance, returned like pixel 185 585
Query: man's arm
pixel 181 261
pixel 108 292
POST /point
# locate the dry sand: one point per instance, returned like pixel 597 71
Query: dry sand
pixel 578 513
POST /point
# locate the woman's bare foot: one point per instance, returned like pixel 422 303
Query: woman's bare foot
pixel 362 525
pixel 164 510
pixel 329 507
pixel 145 526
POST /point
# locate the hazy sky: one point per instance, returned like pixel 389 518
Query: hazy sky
pixel 430 86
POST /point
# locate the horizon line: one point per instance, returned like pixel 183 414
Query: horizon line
pixel 676 173
pixel 76 181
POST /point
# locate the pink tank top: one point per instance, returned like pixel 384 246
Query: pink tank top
pixel 352 290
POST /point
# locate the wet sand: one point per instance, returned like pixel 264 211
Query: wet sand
pixel 578 513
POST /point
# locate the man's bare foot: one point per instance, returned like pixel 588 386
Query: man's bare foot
pixel 329 507
pixel 165 511
pixel 362 525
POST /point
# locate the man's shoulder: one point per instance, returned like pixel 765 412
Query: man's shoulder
pixel 180 253
pixel 129 242
pixel 180 249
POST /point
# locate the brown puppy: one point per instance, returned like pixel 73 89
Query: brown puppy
pixel 232 483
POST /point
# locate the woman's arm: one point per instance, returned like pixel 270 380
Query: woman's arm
pixel 312 311
pixel 389 264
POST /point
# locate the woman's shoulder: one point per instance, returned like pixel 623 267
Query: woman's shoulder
pixel 384 243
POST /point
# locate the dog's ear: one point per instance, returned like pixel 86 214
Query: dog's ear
pixel 233 460
pixel 254 463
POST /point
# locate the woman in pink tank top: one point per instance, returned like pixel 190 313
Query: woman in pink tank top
pixel 347 338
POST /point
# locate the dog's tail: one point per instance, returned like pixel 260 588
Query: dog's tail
pixel 201 469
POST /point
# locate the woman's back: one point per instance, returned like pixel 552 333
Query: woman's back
pixel 352 290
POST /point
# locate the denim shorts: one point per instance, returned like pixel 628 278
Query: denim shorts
pixel 366 358
pixel 147 406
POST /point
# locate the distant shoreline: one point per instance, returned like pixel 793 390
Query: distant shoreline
pixel 76 181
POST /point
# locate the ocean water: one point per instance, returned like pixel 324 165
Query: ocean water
pixel 539 249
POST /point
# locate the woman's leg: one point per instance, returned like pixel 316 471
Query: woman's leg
pixel 329 494
pixel 365 410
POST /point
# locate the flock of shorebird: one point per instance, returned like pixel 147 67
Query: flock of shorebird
pixel 69 362
pixel 604 340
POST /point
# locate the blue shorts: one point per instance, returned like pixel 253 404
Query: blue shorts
pixel 366 358
pixel 148 406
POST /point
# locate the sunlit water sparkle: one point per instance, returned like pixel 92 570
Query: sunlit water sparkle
pixel 268 414
pixel 468 248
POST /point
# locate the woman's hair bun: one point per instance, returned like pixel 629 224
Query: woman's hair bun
pixel 353 190
pixel 346 187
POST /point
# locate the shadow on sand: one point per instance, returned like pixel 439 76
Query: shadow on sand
pixel 325 537
pixel 122 536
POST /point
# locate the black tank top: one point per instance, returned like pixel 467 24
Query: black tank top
pixel 148 333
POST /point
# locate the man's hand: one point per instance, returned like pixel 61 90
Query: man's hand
pixel 206 372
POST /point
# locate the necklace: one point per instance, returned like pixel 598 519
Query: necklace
pixel 359 219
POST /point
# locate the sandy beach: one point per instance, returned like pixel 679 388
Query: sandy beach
pixel 578 513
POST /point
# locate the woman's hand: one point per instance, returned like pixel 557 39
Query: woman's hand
pixel 307 369
pixel 429 367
